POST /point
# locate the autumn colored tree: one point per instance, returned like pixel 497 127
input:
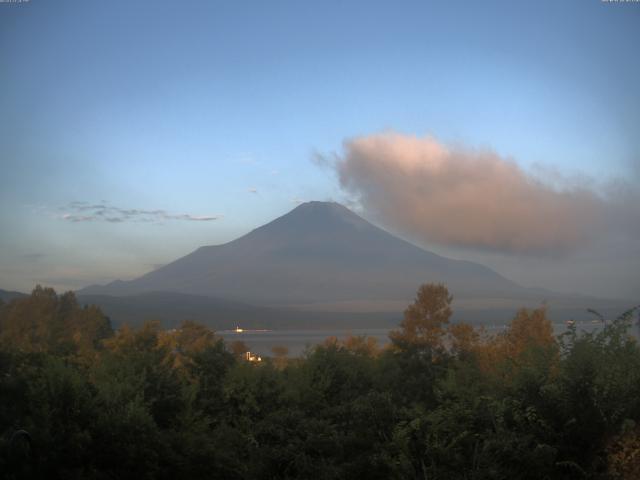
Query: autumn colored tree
pixel 528 339
pixel 423 326
pixel 239 348
pixel 464 338
pixel 184 342
pixel 623 453
pixel 280 353
pixel 48 322
pixel 445 401
pixel 361 345
pixel 529 329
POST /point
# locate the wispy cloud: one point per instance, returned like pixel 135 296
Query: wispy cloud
pixel 77 212
pixel 473 198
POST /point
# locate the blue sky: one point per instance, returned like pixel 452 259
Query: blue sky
pixel 215 108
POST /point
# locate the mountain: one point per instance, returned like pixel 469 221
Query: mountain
pixel 172 308
pixel 320 252
pixel 6 295
pixel 219 314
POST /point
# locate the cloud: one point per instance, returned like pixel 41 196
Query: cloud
pixel 78 218
pixel 191 218
pixel 474 198
pixel 103 212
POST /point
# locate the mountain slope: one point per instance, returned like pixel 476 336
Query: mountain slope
pixel 172 308
pixel 6 295
pixel 318 252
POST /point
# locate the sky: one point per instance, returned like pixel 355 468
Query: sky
pixel 507 133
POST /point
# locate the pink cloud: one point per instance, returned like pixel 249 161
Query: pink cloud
pixel 465 197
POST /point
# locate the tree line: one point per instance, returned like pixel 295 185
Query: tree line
pixel 80 400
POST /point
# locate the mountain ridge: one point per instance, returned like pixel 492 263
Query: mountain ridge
pixel 8 295
pixel 319 251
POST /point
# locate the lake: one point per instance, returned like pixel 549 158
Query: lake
pixel 262 341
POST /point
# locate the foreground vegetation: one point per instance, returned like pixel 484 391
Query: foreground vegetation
pixel 443 401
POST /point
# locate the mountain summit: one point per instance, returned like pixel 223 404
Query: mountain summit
pixel 318 252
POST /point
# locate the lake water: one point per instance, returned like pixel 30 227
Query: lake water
pixel 262 341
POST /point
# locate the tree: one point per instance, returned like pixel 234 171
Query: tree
pixel 529 329
pixel 622 453
pixel 239 348
pixel 424 319
pixel 46 322
pixel 361 345
pixel 464 338
pixel 280 353
pixel 184 342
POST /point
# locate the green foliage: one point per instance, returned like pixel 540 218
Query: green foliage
pixel 444 401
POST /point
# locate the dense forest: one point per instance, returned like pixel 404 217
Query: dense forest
pixel 443 400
